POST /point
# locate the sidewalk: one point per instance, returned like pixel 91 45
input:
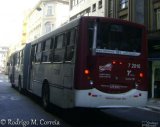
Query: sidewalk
pixel 154 104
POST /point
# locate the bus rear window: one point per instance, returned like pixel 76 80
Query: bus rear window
pixel 116 37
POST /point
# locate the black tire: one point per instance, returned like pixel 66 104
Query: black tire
pixel 12 85
pixel 45 97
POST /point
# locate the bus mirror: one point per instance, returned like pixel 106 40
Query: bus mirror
pixel 7 64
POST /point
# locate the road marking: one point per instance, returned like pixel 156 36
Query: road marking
pixel 145 108
pixel 149 109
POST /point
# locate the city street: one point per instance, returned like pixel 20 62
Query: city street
pixel 23 111
pixel 80 63
pixel 19 110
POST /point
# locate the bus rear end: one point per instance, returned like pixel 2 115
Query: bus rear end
pixel 111 64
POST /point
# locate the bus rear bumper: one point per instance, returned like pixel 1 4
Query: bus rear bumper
pixel 94 98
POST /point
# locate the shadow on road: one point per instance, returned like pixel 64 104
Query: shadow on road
pixel 84 117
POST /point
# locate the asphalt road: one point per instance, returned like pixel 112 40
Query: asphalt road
pixel 138 116
pixel 19 110
pixel 135 114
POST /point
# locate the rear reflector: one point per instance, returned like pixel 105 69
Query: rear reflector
pixel 120 63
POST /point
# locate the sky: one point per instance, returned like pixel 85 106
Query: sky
pixel 11 19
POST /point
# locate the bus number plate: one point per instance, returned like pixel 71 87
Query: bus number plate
pixel 134 66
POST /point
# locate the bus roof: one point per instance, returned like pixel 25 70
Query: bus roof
pixel 76 22
pixel 65 27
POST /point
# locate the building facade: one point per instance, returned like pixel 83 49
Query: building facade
pixel 46 16
pixel 153 26
pixel 145 12
pixel 24 30
pixel 132 10
pixel 3 58
pixel 86 8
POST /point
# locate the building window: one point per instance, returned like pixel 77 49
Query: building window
pixel 94 7
pixel 124 17
pixel 48 27
pixel 158 19
pixel 110 10
pixel 49 11
pixel 123 4
pixel 75 2
pixel 100 4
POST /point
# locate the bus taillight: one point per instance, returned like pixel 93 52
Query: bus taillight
pixel 86 72
pixel 141 74
pixel 113 62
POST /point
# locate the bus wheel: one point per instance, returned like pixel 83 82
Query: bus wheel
pixel 12 85
pixel 11 81
pixel 19 85
pixel 45 97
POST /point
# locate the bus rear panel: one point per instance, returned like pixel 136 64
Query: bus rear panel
pixel 111 66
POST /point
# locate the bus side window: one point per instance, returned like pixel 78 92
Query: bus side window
pixel 23 57
pixel 46 51
pixel 16 59
pixel 59 49
pixel 20 57
pixel 70 45
pixel 33 53
pixel 38 53
pixel 51 49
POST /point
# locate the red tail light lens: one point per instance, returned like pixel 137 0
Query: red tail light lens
pixel 86 71
pixel 113 62
pixel 141 75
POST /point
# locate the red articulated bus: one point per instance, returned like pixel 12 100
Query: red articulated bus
pixel 94 62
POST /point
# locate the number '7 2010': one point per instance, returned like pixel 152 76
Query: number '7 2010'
pixel 133 65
